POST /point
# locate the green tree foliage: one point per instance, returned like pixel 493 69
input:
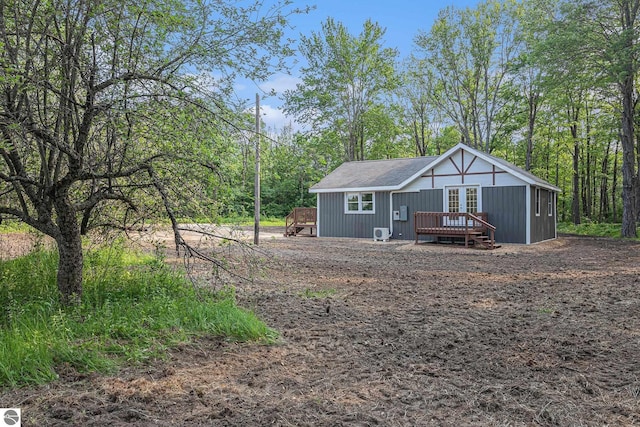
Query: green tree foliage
pixel 590 49
pixel 468 53
pixel 345 78
pixel 292 165
pixel 103 105
pixel 545 84
pixel 423 121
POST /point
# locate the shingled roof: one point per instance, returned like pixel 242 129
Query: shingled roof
pixel 373 174
pixel 394 174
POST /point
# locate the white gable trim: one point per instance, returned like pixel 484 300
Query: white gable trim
pixel 416 175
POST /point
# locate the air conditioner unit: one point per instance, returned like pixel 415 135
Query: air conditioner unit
pixel 381 234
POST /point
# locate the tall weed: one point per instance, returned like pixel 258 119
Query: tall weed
pixel 133 308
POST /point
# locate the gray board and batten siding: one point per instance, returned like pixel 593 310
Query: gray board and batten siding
pixel 424 201
pixel 506 208
pixel 336 223
pixel 543 226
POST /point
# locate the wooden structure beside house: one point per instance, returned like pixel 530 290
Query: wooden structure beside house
pixel 358 197
pixel 299 220
pixel 471 228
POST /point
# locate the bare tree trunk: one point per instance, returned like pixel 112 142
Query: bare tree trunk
pixel 419 137
pixel 533 112
pixel 69 242
pixel 573 114
pixel 361 135
pixel 586 177
pixel 627 89
pixel 584 185
pixel 628 166
pixel 575 203
pixel 593 199
pixel 636 183
pixel 562 215
pixel 352 149
pixel 603 212
pixel 614 184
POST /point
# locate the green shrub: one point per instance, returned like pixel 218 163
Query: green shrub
pixel 591 229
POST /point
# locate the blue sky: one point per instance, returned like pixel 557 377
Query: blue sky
pixel 403 19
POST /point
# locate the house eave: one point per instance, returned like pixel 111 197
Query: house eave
pixel 354 189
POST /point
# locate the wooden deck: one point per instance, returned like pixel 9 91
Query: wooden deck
pixel 300 220
pixel 474 228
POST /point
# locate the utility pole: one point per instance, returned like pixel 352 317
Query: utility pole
pixel 256 182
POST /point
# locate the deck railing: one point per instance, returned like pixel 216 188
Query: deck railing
pixel 300 218
pixel 454 224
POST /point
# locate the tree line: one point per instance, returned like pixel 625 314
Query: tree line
pixel 548 85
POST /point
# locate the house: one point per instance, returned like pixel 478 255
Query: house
pixel 359 196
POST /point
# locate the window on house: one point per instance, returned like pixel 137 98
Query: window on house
pixel 360 202
pixel 550 204
pixel 537 202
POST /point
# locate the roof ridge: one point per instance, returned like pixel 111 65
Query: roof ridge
pixel 386 160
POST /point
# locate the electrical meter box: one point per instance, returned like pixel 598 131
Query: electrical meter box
pixel 403 213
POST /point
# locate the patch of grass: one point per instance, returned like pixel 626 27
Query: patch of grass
pixel 591 229
pixel 244 221
pixel 320 293
pixel 133 308
pixel 12 226
pixel 231 220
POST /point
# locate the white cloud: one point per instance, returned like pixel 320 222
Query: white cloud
pixel 274 118
pixel 280 83
pixel 272 114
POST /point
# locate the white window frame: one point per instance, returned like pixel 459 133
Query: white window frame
pixel 359 195
pixel 550 203
pixel 537 200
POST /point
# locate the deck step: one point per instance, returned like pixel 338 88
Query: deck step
pixel 484 241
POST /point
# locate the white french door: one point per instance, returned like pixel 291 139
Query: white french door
pixel 462 199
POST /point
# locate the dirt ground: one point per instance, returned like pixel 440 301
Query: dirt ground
pixel 395 334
